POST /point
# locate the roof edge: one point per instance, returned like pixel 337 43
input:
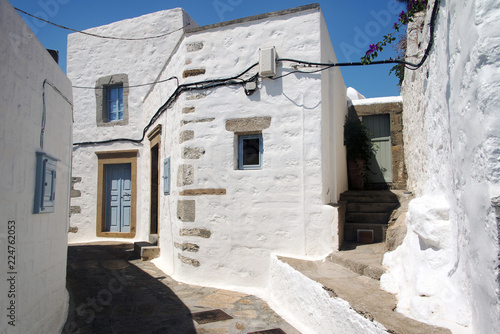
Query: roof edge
pixel 254 18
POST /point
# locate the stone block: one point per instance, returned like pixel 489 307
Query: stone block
pixel 187 260
pixel 195 232
pixel 188 247
pixel 201 192
pixel 251 124
pixel 186 135
pixel 201 120
pixel 193 73
pixel 192 152
pixel 185 175
pixel 75 209
pixel 186 210
pixel 75 193
pixel 195 97
pixel 193 47
pixel 188 110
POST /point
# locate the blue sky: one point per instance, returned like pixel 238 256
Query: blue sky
pixel 353 25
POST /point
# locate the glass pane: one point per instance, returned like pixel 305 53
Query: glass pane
pixel 112 93
pixel 251 154
pixel 112 106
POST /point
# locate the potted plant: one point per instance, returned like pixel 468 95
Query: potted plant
pixel 359 149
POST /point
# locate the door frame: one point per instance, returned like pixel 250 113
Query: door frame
pixel 112 158
pixel 155 141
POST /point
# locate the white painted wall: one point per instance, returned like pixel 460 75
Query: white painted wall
pixel 281 208
pixel 41 299
pixel 306 305
pixel 90 58
pixel 446 270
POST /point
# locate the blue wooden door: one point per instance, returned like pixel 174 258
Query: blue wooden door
pixel 118 198
pixel 379 127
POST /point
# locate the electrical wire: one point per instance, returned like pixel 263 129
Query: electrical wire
pixel 132 86
pixel 200 85
pixel 44 107
pixel 236 80
pixel 100 36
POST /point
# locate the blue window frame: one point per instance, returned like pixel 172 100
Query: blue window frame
pixel 114 97
pixel 250 149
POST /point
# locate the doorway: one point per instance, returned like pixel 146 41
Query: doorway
pixel 154 190
pixel 379 128
pixel 118 198
pixel 154 210
pixel 116 194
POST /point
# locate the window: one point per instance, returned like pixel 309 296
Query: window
pixel 45 187
pixel 114 97
pixel 250 148
pixel 112 100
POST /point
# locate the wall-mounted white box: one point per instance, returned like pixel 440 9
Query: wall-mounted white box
pixel 267 62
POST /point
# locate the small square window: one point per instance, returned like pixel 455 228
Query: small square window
pixel 114 98
pixel 250 148
pixel 45 187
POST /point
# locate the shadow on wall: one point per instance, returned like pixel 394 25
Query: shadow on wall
pixel 110 295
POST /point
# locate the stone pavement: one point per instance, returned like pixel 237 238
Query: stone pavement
pixel 113 291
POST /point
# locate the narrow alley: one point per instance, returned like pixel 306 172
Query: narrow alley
pixel 113 291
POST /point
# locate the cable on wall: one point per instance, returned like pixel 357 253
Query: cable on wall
pixel 101 36
pixel 201 85
pixel 133 86
pixel 236 80
pixel 44 108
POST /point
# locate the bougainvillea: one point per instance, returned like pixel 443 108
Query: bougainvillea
pixel 412 7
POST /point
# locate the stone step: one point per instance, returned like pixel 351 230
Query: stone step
pixel 367 217
pixel 369 196
pixel 146 250
pixel 351 235
pixel 363 294
pixel 371 207
pixel 362 259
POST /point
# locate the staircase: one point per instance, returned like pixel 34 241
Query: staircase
pixel 367 211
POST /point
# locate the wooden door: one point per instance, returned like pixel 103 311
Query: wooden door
pixel 379 127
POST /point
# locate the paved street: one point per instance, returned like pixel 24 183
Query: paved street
pixel 113 291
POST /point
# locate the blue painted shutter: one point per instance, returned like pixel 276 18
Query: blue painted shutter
pixel 45 187
pixel 166 176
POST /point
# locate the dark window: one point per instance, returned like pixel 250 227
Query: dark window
pixel 250 148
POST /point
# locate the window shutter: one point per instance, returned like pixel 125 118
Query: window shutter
pixel 166 176
pixel 45 187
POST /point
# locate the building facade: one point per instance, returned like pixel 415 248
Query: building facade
pixel 241 152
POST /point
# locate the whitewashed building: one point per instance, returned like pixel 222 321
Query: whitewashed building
pixel 236 150
pixel 446 272
pixel 35 168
